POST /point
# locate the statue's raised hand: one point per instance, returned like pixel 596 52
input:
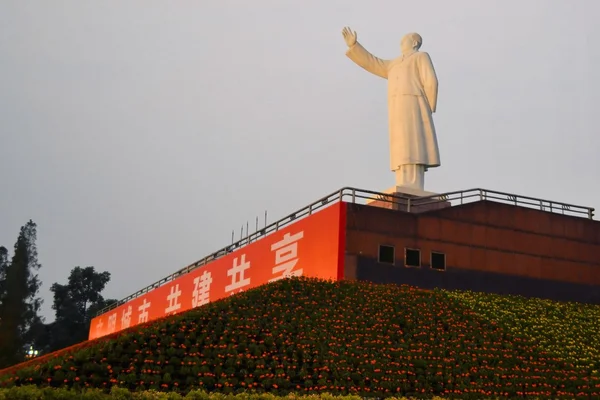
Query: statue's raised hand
pixel 349 36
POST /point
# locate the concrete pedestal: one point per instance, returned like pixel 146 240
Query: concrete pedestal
pixel 397 198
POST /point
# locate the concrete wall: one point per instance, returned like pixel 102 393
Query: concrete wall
pixel 489 247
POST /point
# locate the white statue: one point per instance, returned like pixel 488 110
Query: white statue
pixel 412 98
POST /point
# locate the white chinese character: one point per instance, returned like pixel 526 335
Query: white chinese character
pixel 112 323
pixel 126 318
pixel 237 274
pixel 172 297
pixel 201 289
pixel 99 326
pixel 143 309
pixel 286 256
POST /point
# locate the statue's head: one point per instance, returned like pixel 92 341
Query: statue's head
pixel 410 42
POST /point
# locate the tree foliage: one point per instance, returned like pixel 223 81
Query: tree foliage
pixel 75 304
pixel 19 304
pixel 3 266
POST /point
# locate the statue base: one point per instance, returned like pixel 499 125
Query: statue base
pixel 399 196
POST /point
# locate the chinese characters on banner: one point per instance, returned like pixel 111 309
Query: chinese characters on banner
pixel 201 294
pixel 286 256
pixel 309 247
pixel 238 282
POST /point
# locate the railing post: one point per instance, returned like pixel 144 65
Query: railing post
pixel 408 205
pixel 480 195
pixel 353 196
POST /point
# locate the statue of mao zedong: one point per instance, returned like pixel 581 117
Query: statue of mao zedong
pixel 412 99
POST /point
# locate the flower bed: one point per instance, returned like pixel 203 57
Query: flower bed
pixel 307 336
pixel 35 393
pixel 570 331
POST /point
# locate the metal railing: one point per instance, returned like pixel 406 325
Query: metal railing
pixel 465 196
pixel 354 195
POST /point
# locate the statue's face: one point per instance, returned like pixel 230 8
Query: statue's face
pixel 407 44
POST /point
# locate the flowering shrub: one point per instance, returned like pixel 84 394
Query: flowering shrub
pixel 33 392
pixel 570 331
pixel 307 336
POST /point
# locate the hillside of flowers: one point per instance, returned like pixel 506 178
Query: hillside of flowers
pixel 306 336
pixel 32 392
pixel 570 331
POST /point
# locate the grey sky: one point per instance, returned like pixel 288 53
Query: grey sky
pixel 139 134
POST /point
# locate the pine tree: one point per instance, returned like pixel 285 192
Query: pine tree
pixel 20 305
pixel 3 267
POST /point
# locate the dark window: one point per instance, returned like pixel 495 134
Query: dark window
pixel 438 261
pixel 386 254
pixel 412 257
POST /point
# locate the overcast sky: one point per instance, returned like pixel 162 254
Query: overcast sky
pixel 139 134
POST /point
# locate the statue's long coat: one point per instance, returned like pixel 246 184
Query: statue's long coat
pixel 412 97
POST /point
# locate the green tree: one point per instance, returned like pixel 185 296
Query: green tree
pixel 3 266
pixel 19 304
pixel 75 304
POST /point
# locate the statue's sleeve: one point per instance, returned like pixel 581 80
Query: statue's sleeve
pixel 368 61
pixel 429 79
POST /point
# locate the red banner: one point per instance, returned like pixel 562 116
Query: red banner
pixel 311 247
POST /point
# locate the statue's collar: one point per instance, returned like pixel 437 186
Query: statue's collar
pixel 405 56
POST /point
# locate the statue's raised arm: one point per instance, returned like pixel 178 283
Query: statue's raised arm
pixel 362 57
